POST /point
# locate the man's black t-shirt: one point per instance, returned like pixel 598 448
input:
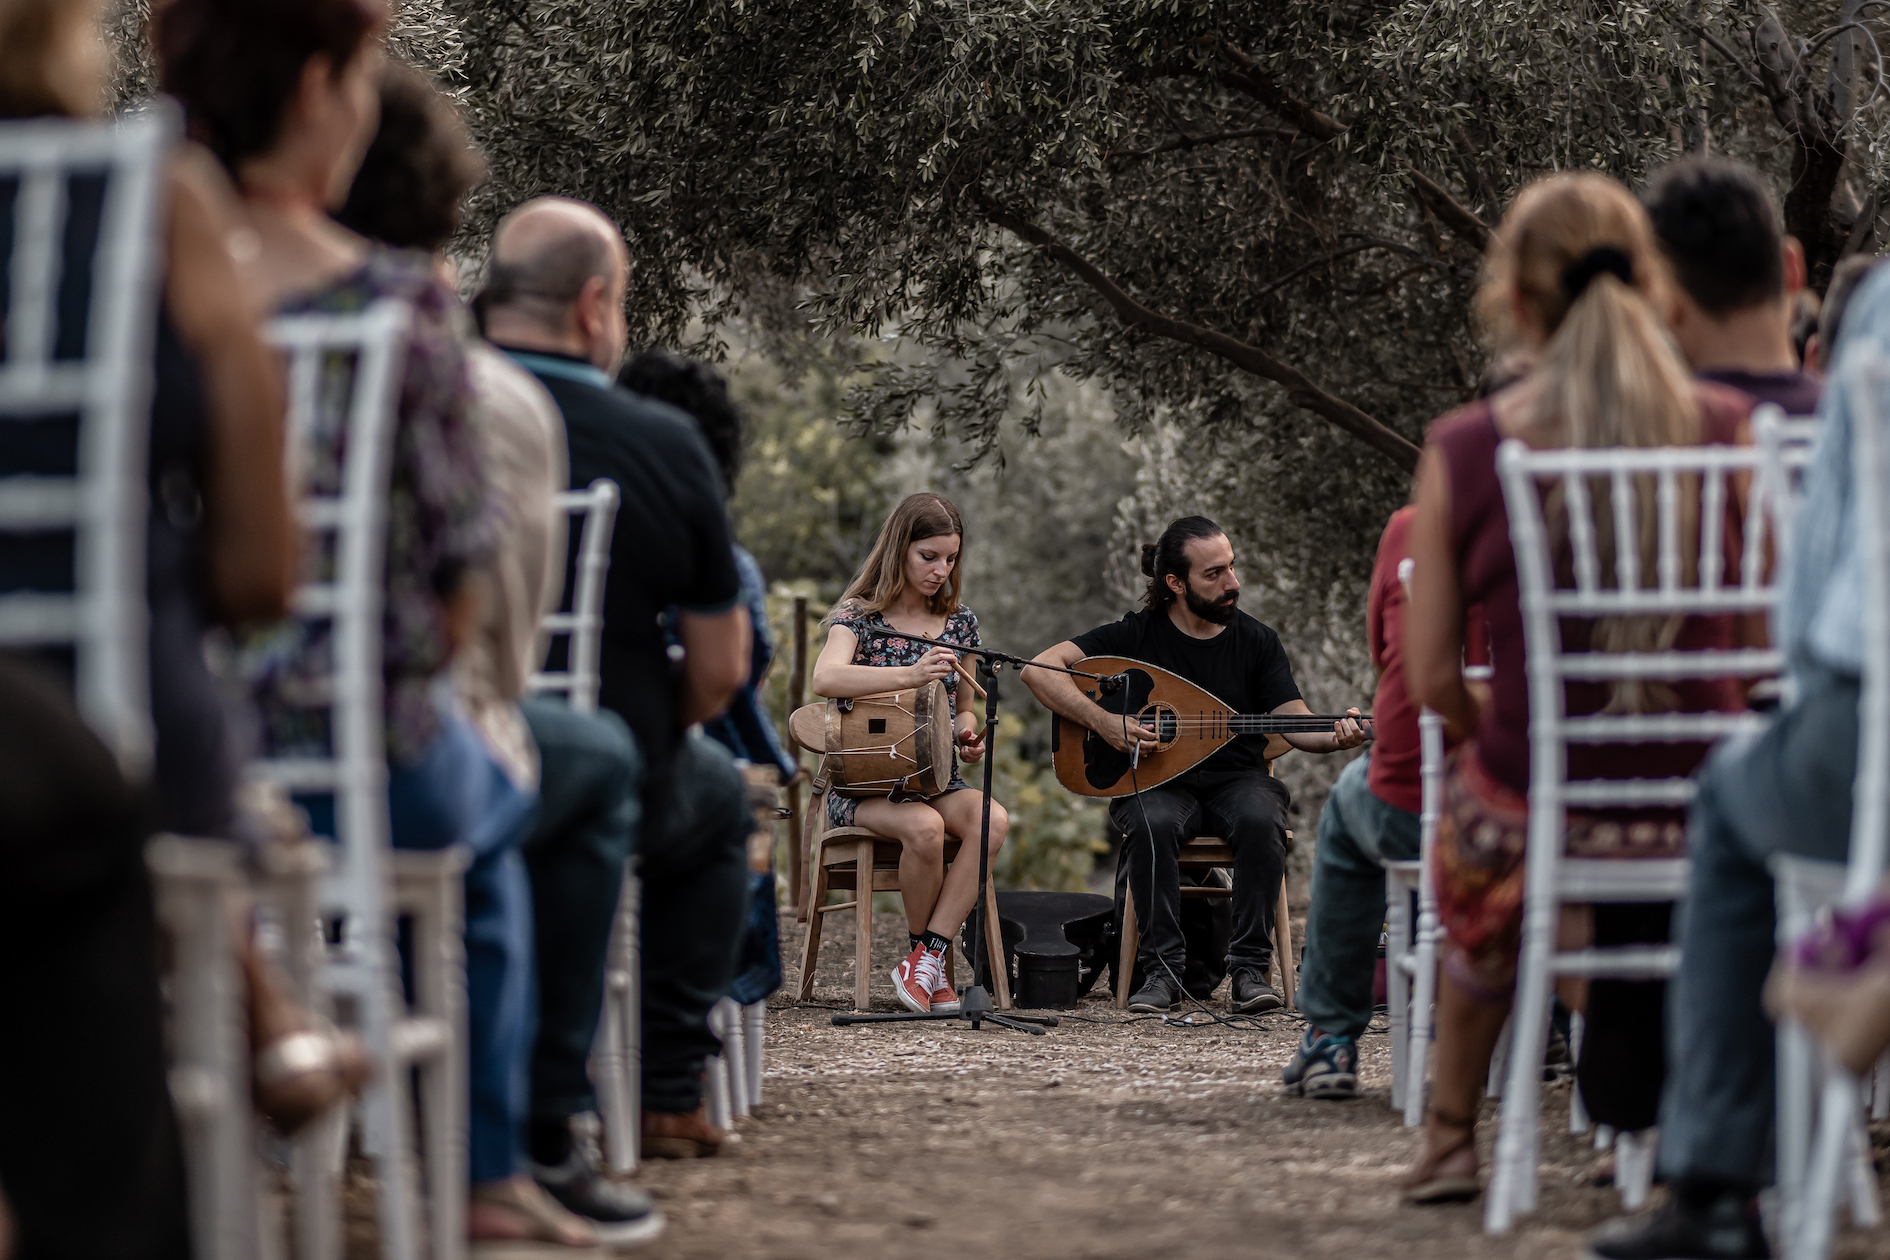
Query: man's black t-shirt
pixel 671 545
pixel 1244 667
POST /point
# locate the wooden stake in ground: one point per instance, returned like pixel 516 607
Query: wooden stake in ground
pixel 797 694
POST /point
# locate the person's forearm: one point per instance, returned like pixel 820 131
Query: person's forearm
pixel 844 682
pixel 1060 694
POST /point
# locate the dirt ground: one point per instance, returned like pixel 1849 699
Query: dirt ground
pixel 1104 1138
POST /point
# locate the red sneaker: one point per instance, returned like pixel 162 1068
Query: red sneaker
pixel 944 998
pixel 913 981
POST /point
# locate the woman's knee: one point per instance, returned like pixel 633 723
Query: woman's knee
pixel 924 834
pixel 1000 825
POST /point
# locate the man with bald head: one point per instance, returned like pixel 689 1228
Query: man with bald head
pixel 554 301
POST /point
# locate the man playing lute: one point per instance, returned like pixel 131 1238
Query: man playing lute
pixel 1192 626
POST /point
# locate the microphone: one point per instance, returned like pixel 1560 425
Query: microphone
pixel 1111 684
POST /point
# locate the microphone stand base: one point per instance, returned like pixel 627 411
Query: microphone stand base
pixel 974 1005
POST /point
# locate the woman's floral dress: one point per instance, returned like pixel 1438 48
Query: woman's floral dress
pixel 894 651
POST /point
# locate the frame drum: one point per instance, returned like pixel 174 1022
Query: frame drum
pixel 898 741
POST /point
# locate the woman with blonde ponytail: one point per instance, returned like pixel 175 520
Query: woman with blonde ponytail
pixel 1576 285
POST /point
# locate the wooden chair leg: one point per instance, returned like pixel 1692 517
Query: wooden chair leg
pixel 863 921
pixel 1125 959
pixel 951 968
pixel 810 955
pixel 1283 943
pixel 994 947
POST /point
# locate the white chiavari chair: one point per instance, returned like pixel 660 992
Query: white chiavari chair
pixel 346 370
pixel 102 378
pixel 1412 942
pixel 1552 878
pixel 1823 1150
pixel 54 173
pixel 615 1066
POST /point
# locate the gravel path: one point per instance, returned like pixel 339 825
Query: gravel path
pixel 1099 1140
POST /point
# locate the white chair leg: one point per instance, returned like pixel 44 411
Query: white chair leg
pixel 734 1056
pixel 1513 1180
pixel 720 1114
pixel 1797 1092
pixel 1825 1178
pixel 1604 1137
pixel 1634 1167
pixel 755 1016
pixel 1423 1018
pixel 1577 1110
pixel 209 1080
pixel 1397 983
pixel 613 1069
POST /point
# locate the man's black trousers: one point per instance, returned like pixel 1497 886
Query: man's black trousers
pixel 1247 809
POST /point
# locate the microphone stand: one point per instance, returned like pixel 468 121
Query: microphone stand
pixel 974 1004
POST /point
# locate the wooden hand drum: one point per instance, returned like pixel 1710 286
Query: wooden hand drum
pixel 898 741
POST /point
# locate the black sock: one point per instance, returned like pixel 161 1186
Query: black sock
pixel 550 1140
pixel 935 943
pixel 916 940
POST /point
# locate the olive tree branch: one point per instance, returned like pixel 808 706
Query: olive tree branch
pixel 1302 389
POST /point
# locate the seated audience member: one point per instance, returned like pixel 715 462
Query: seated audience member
pixel 1370 817
pixel 285 93
pixel 745 730
pixel 1738 280
pixel 1845 277
pixel 698 390
pixel 555 302
pixel 219 550
pixel 1786 790
pixel 584 767
pixel 1575 267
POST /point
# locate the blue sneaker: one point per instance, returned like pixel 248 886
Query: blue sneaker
pixel 1325 1066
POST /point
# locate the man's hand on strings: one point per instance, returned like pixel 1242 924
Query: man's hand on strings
pixel 1119 734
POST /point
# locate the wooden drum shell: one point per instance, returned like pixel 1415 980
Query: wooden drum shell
pixel 896 741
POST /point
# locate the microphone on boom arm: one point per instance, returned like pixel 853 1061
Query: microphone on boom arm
pixel 1110 684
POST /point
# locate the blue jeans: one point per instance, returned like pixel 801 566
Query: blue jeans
pixel 1785 790
pixel 1357 831
pixel 582 835
pixel 456 794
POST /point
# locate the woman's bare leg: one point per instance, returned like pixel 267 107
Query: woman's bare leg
pixel 963 813
pixel 1467 1030
pixel 921 835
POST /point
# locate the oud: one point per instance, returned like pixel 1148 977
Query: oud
pixel 1190 725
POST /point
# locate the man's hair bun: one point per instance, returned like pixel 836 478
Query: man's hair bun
pixel 1148 559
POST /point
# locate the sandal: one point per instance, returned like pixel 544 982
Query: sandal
pixel 1445 1173
pixel 519 1211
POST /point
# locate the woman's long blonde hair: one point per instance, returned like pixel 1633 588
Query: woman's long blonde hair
pixel 1578 252
pixel 882 578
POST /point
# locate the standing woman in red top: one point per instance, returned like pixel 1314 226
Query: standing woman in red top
pixel 1575 278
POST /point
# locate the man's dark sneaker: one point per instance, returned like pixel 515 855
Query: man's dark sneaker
pixel 1556 1060
pixel 1727 1229
pixel 1253 995
pixel 1324 1066
pixel 619 1214
pixel 1157 997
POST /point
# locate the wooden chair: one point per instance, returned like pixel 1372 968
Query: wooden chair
pixel 864 862
pixel 1208 853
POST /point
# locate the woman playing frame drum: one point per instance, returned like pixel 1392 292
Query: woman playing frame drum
pixel 909 584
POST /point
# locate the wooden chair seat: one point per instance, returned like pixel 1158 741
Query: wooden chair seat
pixel 849 858
pixel 1209 853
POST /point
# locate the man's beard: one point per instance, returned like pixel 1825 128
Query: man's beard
pixel 1220 612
